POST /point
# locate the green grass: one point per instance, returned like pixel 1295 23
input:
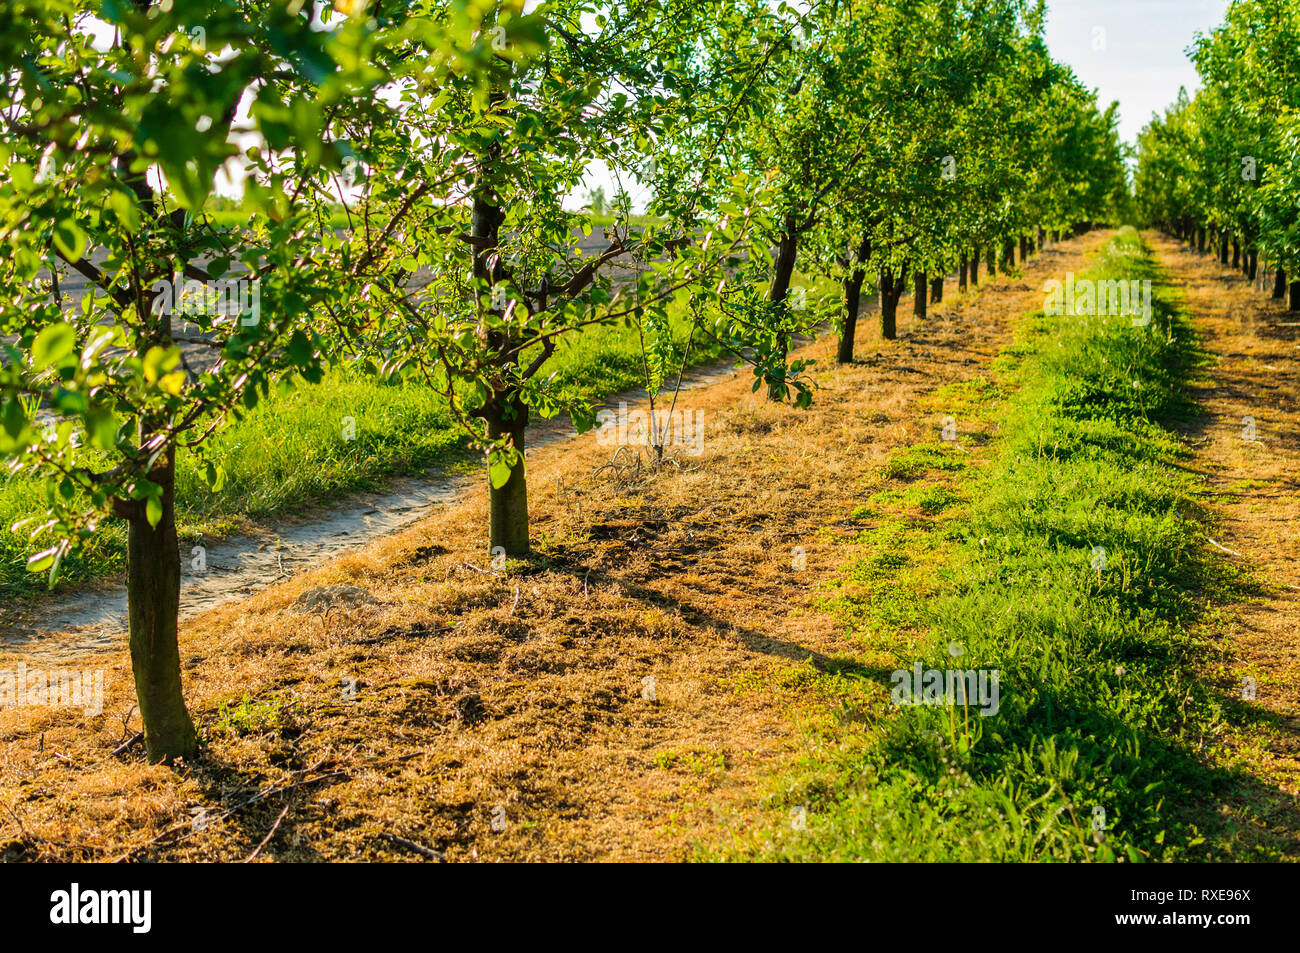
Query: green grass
pixel 1105 711
pixel 288 454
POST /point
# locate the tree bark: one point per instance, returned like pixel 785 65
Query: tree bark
pixel 961 274
pixel 990 259
pixel 503 411
pixel 975 267
pixel 1295 296
pixel 1252 264
pixel 787 252
pixel 1223 249
pixel 919 287
pixel 1008 256
pixel 936 290
pixel 852 302
pixel 1024 248
pixel 890 291
pixel 1042 238
pixel 1279 284
pixel 1236 253
pixel 508 504
pixel 153 595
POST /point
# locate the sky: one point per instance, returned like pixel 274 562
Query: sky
pixel 1133 51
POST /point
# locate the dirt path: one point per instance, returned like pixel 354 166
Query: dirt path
pixel 624 696
pixel 62 628
pixel 1247 448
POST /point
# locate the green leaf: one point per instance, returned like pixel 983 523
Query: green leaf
pixel 69 239
pixel 53 344
pixel 215 477
pixel 43 560
pixel 498 471
pixel 15 418
pixel 123 206
pixel 153 510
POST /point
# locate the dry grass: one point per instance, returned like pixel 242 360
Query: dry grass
pixel 1252 343
pixel 505 715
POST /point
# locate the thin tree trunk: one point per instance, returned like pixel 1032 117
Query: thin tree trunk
pixel 852 302
pixel 503 411
pixel 1236 254
pixel 1252 264
pixel 508 504
pixel 975 267
pixel 990 259
pixel 153 595
pixel 961 274
pixel 1223 249
pixel 890 291
pixel 1024 248
pixel 1295 296
pixel 1279 284
pixel 787 252
pixel 936 290
pixel 919 287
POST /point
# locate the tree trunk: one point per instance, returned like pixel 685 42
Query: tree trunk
pixel 990 260
pixel 153 594
pixel 1200 239
pixel 508 504
pixel 1223 249
pixel 1042 238
pixel 1236 254
pixel 787 252
pixel 919 287
pixel 1008 256
pixel 936 290
pixel 975 267
pixel 1279 284
pixel 502 411
pixel 961 274
pixel 1252 264
pixel 1024 248
pixel 890 291
pixel 852 302
pixel 1295 296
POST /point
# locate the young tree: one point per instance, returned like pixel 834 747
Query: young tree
pixel 477 167
pixel 116 119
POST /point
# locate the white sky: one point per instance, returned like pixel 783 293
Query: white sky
pixel 1139 57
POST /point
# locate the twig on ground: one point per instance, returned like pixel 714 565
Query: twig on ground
pixel 1230 552
pixel 130 743
pixel 412 845
pixel 269 834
